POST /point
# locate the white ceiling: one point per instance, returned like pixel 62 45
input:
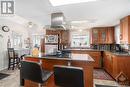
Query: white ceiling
pixel 99 13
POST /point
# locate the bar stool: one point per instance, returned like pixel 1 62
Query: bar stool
pixel 14 60
pixel 33 71
pixel 68 76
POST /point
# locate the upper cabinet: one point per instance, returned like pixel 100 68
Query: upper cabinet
pixel 63 35
pixel 110 35
pixel 95 36
pixel 125 30
pixel 102 35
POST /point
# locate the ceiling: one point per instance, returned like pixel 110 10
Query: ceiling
pixel 98 13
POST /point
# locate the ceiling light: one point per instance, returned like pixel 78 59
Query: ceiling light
pixel 77 22
pixel 30 24
pixel 66 2
pixel 80 30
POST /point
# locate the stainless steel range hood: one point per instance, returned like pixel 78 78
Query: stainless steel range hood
pixel 57 20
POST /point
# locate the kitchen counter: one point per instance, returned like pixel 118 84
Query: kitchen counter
pixel 77 60
pixel 119 53
pixel 72 57
pixel 81 49
pixel 95 54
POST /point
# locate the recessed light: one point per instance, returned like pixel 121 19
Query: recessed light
pixel 67 2
pixel 78 22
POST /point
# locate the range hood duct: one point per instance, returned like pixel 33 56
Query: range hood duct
pixel 58 20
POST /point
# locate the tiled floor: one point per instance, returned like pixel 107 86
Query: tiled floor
pixel 13 80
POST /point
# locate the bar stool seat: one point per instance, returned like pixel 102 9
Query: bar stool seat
pixel 68 76
pixel 33 71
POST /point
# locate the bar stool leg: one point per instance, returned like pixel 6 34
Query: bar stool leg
pixel 9 64
pixel 13 63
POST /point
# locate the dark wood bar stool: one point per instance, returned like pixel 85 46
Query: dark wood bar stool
pixel 67 76
pixel 33 71
pixel 14 60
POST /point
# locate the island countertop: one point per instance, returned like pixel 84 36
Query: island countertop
pixel 72 57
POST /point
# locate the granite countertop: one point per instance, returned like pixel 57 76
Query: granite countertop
pixel 82 49
pixel 114 53
pixel 73 57
pixel 119 53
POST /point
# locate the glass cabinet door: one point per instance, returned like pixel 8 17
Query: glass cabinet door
pixel 103 33
pixel 95 36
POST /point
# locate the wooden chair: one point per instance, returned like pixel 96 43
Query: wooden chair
pixel 14 60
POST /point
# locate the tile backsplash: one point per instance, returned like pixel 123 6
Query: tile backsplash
pixel 112 47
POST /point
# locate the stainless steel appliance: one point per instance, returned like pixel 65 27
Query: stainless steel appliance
pixel 51 44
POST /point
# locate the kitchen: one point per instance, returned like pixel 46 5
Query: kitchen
pixel 100 36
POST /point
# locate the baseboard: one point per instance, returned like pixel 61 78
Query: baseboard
pixel 3 68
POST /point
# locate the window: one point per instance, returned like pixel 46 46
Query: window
pixel 37 39
pixel 17 40
pixel 78 40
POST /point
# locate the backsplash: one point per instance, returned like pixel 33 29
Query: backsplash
pixel 112 47
pixel 101 46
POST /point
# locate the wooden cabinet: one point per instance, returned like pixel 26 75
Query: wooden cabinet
pixel 110 35
pixel 125 30
pixel 108 62
pixel 65 36
pixel 114 64
pixel 96 55
pixel 95 36
pixel 102 35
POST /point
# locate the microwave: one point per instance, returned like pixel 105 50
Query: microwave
pixel 51 39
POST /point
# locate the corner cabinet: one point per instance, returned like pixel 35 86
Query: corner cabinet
pixel 115 64
pixel 102 35
pixel 125 30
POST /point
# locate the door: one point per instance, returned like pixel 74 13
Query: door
pixel 1 53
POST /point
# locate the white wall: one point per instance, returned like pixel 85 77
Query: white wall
pixel 3 42
pixel 20 27
pixel 117 34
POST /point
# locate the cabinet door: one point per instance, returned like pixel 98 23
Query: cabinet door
pixel 110 35
pixel 103 35
pixel 95 36
pixel 121 30
pixel 108 63
pixel 65 37
pixel 124 30
pixel 97 59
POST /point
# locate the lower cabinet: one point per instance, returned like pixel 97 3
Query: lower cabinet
pixel 115 64
pixel 96 55
pixel 108 62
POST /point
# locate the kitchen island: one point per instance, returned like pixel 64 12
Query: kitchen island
pixel 74 59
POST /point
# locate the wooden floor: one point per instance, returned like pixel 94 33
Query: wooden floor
pixel 13 80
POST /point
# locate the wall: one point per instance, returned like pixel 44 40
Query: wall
pixel 14 27
pixel 117 34
pixel 18 25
